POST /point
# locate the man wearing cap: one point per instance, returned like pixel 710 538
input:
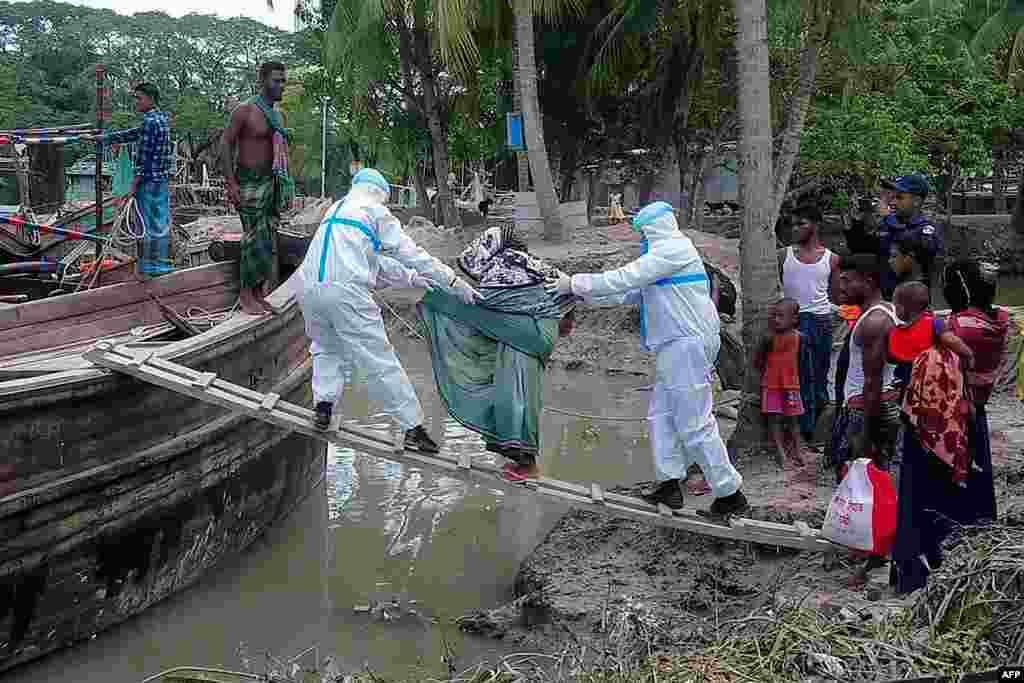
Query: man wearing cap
pixel 905 218
pixel 679 322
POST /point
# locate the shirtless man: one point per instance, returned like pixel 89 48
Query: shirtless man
pixel 251 187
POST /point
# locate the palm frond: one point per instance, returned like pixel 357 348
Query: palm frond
pixel 1016 62
pixel 456 23
pixel 996 33
pixel 927 8
pixel 552 11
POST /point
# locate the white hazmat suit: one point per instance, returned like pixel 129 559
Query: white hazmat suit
pixel 678 321
pixel 343 322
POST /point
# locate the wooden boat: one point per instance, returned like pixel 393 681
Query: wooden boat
pixel 115 494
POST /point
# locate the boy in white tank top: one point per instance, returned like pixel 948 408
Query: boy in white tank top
pixel 809 272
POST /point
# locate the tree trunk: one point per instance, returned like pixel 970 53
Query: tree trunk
pixel 1017 221
pixel 796 115
pixel 593 176
pixel 759 275
pixel 700 173
pixel 439 145
pixel 422 197
pixel 684 163
pixel 645 188
pixel 536 150
pixel 522 162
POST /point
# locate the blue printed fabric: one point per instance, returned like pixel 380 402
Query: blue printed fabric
pixel 154 202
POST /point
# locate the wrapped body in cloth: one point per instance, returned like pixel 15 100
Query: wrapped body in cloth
pixel 489 359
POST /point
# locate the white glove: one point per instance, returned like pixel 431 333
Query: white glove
pixel 560 287
pixel 466 294
pixel 423 282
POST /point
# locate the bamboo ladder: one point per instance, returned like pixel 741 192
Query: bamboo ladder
pixel 148 366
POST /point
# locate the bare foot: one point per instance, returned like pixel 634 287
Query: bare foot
pixel 265 305
pixel 250 304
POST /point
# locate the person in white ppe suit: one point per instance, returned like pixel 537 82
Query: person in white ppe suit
pixel 678 321
pixel 344 323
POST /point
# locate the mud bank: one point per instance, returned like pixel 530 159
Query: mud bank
pixel 617 588
pixel 594 580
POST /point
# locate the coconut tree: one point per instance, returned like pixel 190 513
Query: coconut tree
pixel 764 169
pixel 759 277
pixel 366 38
pixel 463 25
pixel 537 151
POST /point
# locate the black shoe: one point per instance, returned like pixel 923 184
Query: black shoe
pixel 730 505
pixel 418 439
pixel 322 415
pixel 668 492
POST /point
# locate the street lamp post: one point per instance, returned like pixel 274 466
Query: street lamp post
pixel 323 149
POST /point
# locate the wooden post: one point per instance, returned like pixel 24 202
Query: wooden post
pixel 100 113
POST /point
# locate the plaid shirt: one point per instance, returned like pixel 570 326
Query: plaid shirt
pixel 153 154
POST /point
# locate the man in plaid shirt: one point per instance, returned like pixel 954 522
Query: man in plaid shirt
pixel 152 163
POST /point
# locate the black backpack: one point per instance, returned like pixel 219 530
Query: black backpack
pixel 721 283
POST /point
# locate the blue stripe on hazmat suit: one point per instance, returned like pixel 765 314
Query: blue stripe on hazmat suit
pixel 680 324
pixel 343 322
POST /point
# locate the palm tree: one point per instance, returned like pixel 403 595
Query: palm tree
pixel 759 277
pixel 764 173
pixel 987 26
pixel 365 40
pixel 461 26
pixel 537 151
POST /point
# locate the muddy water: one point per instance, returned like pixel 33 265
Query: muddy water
pixel 1010 291
pixel 376 532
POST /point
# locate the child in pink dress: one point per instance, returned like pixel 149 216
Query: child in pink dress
pixel 778 360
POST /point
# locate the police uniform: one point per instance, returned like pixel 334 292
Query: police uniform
pixel 892 230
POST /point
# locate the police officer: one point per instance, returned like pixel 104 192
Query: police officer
pixel 907 195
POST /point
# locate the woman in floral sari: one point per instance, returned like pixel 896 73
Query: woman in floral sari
pixel 489 359
pixel 946 478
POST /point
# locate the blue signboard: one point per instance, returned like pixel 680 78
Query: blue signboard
pixel 514 138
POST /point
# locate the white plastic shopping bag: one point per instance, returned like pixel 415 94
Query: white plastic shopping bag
pixel 862 514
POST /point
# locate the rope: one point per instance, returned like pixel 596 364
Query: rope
pixel 402 320
pixel 123 234
pixel 604 418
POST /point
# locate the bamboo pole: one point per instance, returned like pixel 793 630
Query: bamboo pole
pixel 100 107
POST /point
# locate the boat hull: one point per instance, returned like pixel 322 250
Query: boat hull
pixel 120 494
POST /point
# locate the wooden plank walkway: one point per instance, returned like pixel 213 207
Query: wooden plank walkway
pixel 144 364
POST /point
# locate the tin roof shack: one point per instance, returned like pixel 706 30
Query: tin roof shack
pixel 81 179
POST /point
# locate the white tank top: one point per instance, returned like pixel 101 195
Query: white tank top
pixel 854 385
pixel 807 282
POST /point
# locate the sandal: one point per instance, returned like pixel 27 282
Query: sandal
pixel 701 489
pixel 519 473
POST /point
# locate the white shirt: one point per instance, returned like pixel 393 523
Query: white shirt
pixel 807 283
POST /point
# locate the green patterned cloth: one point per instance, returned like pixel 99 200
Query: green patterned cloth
pixel 285 183
pixel 489 362
pixel 259 216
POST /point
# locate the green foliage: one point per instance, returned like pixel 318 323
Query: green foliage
pixel 10 101
pixel 911 100
pixel 196 61
pixel 866 137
